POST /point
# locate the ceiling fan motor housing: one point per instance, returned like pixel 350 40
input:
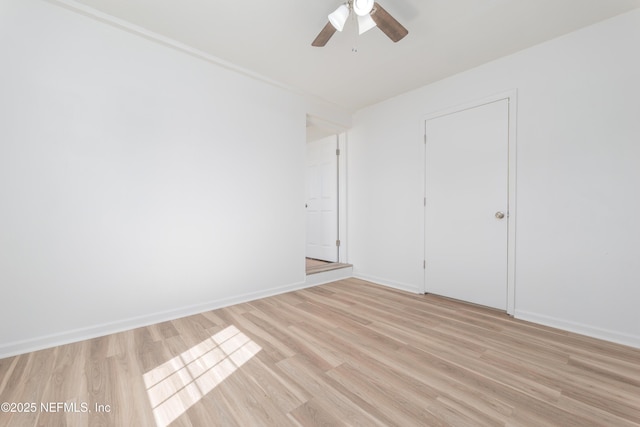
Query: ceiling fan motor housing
pixel 362 7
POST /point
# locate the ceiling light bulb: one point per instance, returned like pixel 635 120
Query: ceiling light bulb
pixel 339 17
pixel 365 23
pixel 362 7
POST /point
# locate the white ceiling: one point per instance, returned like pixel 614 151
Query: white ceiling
pixel 273 38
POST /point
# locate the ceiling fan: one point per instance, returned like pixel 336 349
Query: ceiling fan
pixel 369 13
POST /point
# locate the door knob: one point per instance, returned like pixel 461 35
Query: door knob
pixel 499 215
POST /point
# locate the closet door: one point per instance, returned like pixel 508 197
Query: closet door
pixel 467 154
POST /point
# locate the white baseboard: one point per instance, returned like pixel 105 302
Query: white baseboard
pixel 67 337
pixel 81 334
pixel 580 328
pixel 566 325
pixel 389 283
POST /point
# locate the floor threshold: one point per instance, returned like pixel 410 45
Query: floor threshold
pixel 327 267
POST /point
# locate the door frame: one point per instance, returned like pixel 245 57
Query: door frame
pixel 512 98
pixel 330 128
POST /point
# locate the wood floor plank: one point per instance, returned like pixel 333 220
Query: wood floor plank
pixel 392 405
pixel 328 395
pixel 344 353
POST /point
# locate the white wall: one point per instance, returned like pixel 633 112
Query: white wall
pixel 137 182
pixel 578 168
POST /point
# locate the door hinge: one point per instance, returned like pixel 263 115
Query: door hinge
pixel 425 138
pixel 425 201
pixel 424 263
pixel 338 243
pixel 337 151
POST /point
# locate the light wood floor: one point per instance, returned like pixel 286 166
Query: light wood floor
pixel 315 266
pixel 347 353
pixel 311 262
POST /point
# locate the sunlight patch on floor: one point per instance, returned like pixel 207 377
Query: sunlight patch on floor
pixel 178 384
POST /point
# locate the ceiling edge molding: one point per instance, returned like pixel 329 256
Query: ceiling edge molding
pixel 173 44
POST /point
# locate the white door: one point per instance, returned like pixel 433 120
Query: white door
pixel 322 199
pixel 467 155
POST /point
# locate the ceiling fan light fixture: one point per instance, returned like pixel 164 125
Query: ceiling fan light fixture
pixel 339 17
pixel 365 23
pixel 362 7
pixel 368 13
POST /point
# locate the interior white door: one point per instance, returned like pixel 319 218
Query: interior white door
pixel 322 199
pixel 467 155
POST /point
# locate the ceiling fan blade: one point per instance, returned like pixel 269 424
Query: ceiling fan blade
pixel 387 23
pixel 324 35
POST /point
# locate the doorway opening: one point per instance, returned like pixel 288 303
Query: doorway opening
pixel 325 197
